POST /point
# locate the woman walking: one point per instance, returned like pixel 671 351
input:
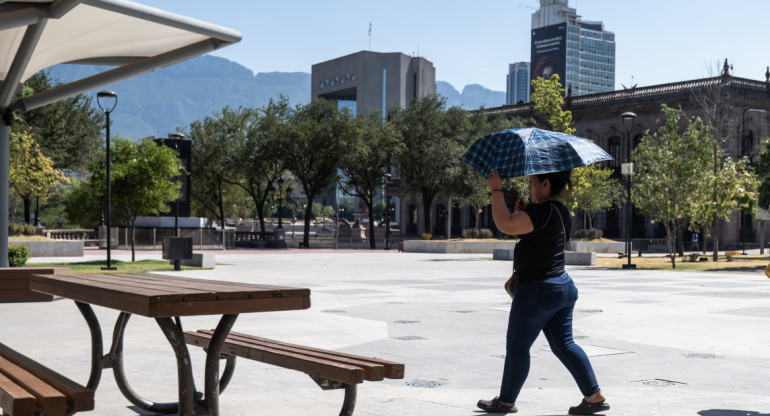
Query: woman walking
pixel 543 293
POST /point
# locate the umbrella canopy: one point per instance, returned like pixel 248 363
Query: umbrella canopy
pixel 132 38
pixel 531 151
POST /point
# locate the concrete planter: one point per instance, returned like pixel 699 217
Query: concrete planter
pixel 456 246
pixel 596 247
pixel 61 248
pixel 571 258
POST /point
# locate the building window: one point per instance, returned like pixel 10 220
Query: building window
pixel 614 151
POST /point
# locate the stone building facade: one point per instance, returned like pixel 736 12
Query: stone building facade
pixel 746 125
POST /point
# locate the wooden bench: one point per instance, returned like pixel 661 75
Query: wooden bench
pixel 28 388
pixel 14 283
pixel 329 369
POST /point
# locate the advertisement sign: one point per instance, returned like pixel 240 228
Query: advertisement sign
pixel 549 51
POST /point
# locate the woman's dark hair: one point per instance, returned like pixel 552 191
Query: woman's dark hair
pixel 559 181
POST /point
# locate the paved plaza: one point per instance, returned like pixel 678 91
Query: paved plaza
pixel 661 343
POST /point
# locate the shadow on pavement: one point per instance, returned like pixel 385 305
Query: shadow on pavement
pixel 725 412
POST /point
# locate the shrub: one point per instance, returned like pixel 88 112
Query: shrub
pixel 426 236
pixel 470 233
pixel 485 233
pixel 27 229
pixel 17 255
pixel 588 234
pixel 13 228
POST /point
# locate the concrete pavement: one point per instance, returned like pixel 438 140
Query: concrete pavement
pixel 661 343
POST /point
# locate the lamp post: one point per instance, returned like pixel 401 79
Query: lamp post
pixel 387 211
pixel 177 137
pixel 745 149
pixel 107 101
pixel 629 119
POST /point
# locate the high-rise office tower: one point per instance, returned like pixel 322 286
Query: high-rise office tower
pixel 518 84
pixel 581 52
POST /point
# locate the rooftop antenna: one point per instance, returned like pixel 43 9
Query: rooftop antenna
pixel 370 35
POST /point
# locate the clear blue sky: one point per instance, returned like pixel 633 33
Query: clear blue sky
pixel 472 42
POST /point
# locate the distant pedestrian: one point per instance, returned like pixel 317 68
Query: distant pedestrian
pixel 543 294
pixel 694 246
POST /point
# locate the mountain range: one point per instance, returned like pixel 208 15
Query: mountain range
pixel 159 102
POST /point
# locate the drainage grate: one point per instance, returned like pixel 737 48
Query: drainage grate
pixel 334 311
pixel 659 382
pixel 696 355
pixel 426 384
pixel 409 338
pixel 405 322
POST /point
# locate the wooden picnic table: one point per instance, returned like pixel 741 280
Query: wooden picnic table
pixel 167 298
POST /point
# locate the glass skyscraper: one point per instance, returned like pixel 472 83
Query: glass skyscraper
pixel 517 87
pixel 587 63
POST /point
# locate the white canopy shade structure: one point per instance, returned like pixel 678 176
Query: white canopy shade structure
pixel 134 38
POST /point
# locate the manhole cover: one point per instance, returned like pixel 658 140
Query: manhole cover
pixel 426 384
pixel 405 322
pixel 410 338
pixel 334 311
pixel 659 382
pixel 696 355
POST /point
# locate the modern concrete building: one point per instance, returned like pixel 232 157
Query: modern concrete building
pixel 372 81
pixel 518 83
pixel 580 51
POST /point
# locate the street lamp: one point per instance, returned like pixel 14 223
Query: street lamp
pixel 387 211
pixel 746 151
pixel 280 201
pixel 629 119
pixel 177 137
pixel 107 101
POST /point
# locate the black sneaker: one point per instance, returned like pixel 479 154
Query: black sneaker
pixel 585 408
pixel 496 406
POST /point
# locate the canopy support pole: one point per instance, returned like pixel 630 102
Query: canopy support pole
pixel 5 137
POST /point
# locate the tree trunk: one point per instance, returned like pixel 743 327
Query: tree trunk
pixel 671 244
pixel 427 201
pixel 715 240
pixel 306 227
pixel 370 208
pixel 27 210
pixel 133 240
pixel 261 215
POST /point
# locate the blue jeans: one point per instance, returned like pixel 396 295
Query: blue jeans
pixel 547 306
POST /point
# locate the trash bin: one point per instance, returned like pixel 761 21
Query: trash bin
pixel 177 249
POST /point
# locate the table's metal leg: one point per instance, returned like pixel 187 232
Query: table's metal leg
pixel 114 360
pixel 212 386
pixel 186 388
pixel 97 344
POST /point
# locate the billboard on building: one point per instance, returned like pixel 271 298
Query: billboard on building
pixel 549 51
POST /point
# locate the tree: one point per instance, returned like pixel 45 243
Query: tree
pixel 369 157
pixel 547 100
pixel 718 109
pixel 214 141
pixel 68 131
pixel 143 182
pixel 672 171
pixel 594 190
pixel 314 147
pixel 31 174
pixel 431 148
pixel 258 161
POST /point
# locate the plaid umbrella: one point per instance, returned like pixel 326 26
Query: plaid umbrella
pixel 531 151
